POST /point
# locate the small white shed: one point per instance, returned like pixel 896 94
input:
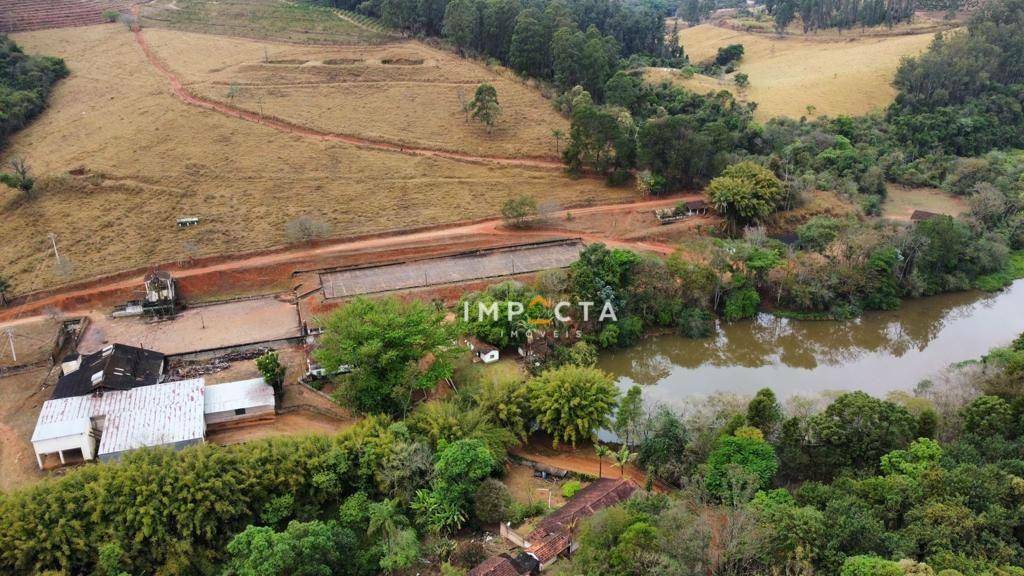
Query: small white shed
pixel 66 436
pixel 235 402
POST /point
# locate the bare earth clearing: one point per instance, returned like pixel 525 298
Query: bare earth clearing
pixel 903 200
pixel 836 75
pixel 150 158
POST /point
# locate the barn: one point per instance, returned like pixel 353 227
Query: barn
pixel 107 423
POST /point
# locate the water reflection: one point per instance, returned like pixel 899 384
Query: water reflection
pixel 879 352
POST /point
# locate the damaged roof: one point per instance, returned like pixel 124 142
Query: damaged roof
pixel 116 367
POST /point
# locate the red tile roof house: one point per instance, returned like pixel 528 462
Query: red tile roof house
pixel 554 535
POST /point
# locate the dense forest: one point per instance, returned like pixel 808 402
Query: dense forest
pixel 25 84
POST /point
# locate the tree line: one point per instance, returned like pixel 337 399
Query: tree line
pixel 25 84
pixel 565 41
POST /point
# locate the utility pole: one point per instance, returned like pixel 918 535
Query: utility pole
pixel 53 240
pixel 10 340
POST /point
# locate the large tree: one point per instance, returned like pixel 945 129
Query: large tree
pixel 392 348
pixel 745 193
pixel 572 403
pixel 484 105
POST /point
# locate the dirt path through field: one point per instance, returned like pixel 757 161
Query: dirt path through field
pixel 188 97
pixel 30 311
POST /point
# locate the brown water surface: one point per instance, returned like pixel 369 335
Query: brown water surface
pixel 877 353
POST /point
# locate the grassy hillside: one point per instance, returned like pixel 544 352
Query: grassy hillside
pixel 150 158
pixel 291 21
pixel 848 75
pixel 405 93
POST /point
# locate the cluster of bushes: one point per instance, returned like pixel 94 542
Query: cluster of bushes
pixel 901 487
pixel 25 84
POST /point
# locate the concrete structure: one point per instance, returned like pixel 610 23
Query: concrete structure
pixel 236 402
pixel 107 424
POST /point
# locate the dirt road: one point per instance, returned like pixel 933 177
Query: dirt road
pixel 188 97
pixel 30 311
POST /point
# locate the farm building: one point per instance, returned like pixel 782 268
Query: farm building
pixel 238 402
pixel 106 424
pixel 696 208
pixel 116 367
pixel 554 535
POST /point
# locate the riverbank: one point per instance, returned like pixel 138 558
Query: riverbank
pixel 878 352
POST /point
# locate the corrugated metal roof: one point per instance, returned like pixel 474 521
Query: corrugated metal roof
pixel 149 416
pixel 61 429
pixel 236 395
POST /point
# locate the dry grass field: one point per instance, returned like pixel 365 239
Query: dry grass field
pixel 278 19
pixel 836 74
pixel 33 342
pixel 903 200
pixel 145 158
pixel 406 93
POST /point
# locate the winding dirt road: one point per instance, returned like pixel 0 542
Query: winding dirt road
pixel 188 97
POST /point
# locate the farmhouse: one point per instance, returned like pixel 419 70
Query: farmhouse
pixel 113 401
pixel 106 424
pixel 553 536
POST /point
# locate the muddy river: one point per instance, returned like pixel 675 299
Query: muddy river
pixel 880 352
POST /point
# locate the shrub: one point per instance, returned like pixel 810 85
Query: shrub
pixel 519 211
pixel 111 15
pixel 306 229
pixel 570 488
pixel 492 502
pixel 469 554
pixel 870 566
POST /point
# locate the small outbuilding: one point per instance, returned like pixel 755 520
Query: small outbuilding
pixel 696 207
pixel 237 403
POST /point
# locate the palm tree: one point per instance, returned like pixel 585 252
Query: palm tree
pixel 621 459
pixel 557 134
pixel 602 452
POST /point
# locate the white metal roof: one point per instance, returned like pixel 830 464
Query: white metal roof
pixel 236 395
pixel 147 416
pixel 61 429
